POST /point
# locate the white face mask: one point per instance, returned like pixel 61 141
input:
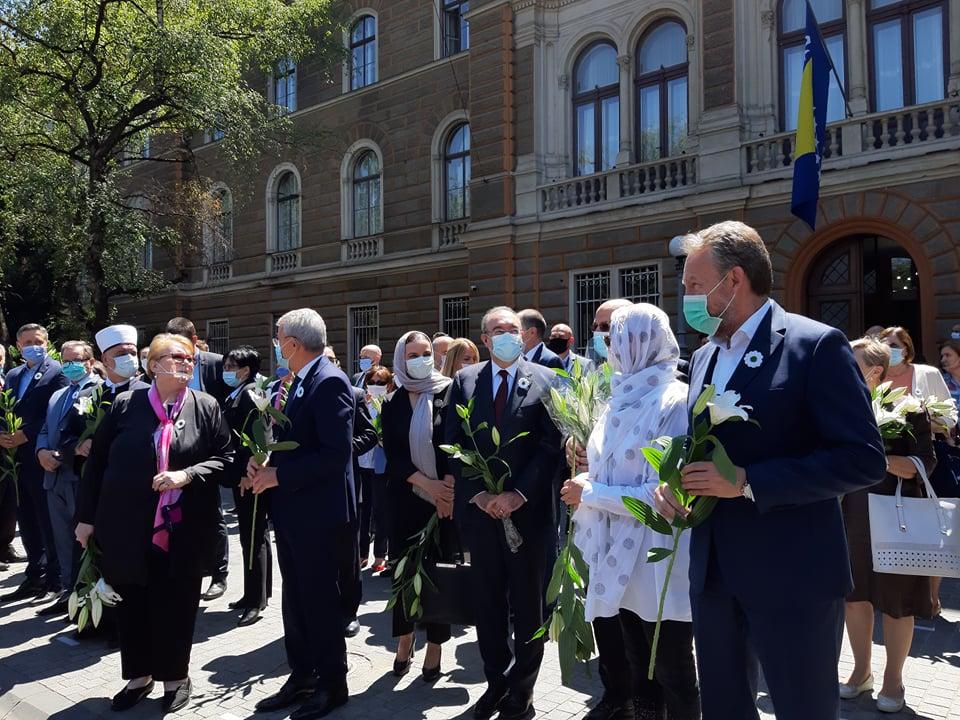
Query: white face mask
pixel 125 365
pixel 420 368
pixel 376 390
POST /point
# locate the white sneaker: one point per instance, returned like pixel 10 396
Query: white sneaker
pixel 889 704
pixel 849 691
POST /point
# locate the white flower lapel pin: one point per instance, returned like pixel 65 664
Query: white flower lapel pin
pixel 300 391
pixel 523 383
pixel 181 424
pixel 753 359
pixel 38 376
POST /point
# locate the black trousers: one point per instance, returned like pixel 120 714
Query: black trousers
pixel 258 576
pixel 673 692
pixel 614 668
pixel 380 522
pixel 33 516
pixel 8 513
pixel 219 572
pixel 503 582
pixel 312 608
pixel 156 622
pixel 350 580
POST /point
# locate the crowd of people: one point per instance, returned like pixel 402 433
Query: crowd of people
pixel 767 582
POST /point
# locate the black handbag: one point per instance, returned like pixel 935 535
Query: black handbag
pixel 452 601
pixel 945 477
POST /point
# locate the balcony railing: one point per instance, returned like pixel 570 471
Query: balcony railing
pixel 360 249
pixel 284 261
pixel 913 130
pixel 633 181
pixel 217 272
pixel 448 233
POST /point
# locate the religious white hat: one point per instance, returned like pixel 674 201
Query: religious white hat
pixel 116 335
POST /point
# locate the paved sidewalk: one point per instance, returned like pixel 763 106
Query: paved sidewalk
pixel 44 672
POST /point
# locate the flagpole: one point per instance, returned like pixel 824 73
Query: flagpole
pixel 833 68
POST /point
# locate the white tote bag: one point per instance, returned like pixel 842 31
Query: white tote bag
pixel 915 536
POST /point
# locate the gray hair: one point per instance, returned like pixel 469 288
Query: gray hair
pixel 85 349
pixel 306 325
pixel 30 327
pixel 735 244
pixel 499 310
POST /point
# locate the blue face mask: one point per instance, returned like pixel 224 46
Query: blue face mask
pixel 698 317
pixel 600 344
pixel 283 364
pixel 34 353
pixel 365 364
pixel 230 378
pixel 74 370
pixel 507 347
pixel 896 356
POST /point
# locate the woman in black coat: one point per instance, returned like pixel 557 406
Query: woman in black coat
pixel 417 482
pixel 156 522
pixel 240 368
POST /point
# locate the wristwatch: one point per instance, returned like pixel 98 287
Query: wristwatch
pixel 747 491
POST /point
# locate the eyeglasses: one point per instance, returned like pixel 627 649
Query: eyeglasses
pixel 178 358
pixel 500 331
pixel 601 327
pixel 379 382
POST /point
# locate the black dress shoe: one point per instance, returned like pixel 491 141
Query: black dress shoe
pixel 248 617
pixel 352 628
pixel 610 709
pixel 28 589
pixel 216 590
pixel 431 674
pixel 59 607
pixel 9 555
pixel 489 702
pixel 238 604
pixel 127 698
pixel 402 667
pixel 292 692
pixel 321 704
pixel 514 708
pixel 4 567
pixel 174 700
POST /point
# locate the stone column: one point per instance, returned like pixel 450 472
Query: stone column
pixel 625 155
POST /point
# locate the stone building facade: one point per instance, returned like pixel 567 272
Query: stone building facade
pixel 543 153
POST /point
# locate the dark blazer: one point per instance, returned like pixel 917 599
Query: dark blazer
pixel 110 393
pixel 236 411
pixel 211 376
pixel 817 441
pixel 315 481
pixel 546 357
pixel 396 414
pixel 365 436
pixel 532 459
pixel 116 496
pixel 32 408
pixel 63 428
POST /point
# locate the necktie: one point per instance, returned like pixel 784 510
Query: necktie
pixel 500 401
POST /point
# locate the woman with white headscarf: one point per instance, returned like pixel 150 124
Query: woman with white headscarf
pixel 417 481
pixel 647 402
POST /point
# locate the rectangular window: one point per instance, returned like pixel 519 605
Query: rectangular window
pixel 888 65
pixel 363 329
pixel 285 85
pixel 792 72
pixel 218 336
pixel 928 55
pixel 589 289
pixel 456 30
pixel 455 316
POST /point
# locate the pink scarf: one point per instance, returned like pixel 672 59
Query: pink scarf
pixel 168 513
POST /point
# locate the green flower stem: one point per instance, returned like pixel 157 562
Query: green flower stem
pixel 663 600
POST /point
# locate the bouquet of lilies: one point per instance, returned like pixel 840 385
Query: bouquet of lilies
pixel 668 458
pixel 575 406
pixel 10 468
pixel 256 436
pixel 493 471
pixel 92 408
pixel 890 408
pixel 91 593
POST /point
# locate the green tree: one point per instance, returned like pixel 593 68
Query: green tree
pixel 86 83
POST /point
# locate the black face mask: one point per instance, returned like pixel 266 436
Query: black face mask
pixel 557 345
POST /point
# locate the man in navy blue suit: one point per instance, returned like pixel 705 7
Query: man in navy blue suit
pixel 533 331
pixel 34 381
pixel 312 503
pixel 769 568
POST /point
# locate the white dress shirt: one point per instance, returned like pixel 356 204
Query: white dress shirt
pixel 729 356
pixel 529 354
pixel 511 376
pixel 302 372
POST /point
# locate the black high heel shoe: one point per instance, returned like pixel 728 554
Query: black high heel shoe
pixel 402 667
pixel 128 697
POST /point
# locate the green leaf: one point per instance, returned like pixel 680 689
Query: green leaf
pixel 654 457
pixel 463 412
pixel 701 509
pixel 96 611
pixel 417 584
pixel 278 416
pixel 670 467
pixel 83 617
pixel 647 515
pixel 283 446
pixel 658 553
pixel 541 632
pixel 724 465
pixel 706 396
pixel 398 571
pixel 556 577
pixel 495 436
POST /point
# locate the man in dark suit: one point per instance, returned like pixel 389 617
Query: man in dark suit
pixel 8 498
pixel 208 378
pixel 34 382
pixel 769 568
pixel 119 357
pixel 534 329
pixel 561 343
pixel 369 356
pixel 507 393
pixel 312 502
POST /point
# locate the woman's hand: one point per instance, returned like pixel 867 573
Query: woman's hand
pixel 170 480
pixel 439 491
pixel 901 466
pixel 572 491
pixel 575 452
pixel 83 534
pixel 83 449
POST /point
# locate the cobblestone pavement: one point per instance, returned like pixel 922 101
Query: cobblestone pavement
pixel 44 672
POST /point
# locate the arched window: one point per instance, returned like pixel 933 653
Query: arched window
pixel 662 91
pixel 909 52
pixel 596 109
pixel 792 36
pixel 366 195
pixel 363 52
pixel 288 212
pixel 218 230
pixel 456 162
pixel 285 85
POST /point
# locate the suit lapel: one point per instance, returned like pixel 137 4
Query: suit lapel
pixel 36 375
pixel 521 384
pixel 483 396
pixel 762 347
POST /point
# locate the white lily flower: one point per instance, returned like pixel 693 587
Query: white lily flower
pixel 261 400
pixel 725 406
pixel 84 405
pixel 908 404
pixel 108 596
